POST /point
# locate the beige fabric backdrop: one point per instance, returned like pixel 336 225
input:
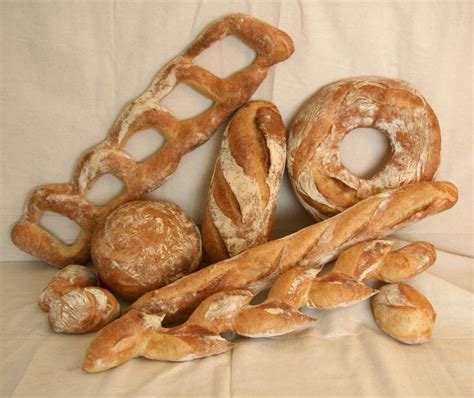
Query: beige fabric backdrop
pixel 68 68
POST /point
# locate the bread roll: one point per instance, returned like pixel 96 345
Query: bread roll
pixel 69 278
pixel 83 310
pixel 144 245
pixel 404 313
pixel 244 188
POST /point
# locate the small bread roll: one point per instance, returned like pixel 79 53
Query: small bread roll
pixel 83 310
pixel 69 278
pixel 145 245
pixel 404 313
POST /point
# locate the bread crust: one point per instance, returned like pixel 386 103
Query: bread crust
pixel 323 185
pixel 67 279
pixel 404 313
pixel 144 245
pixel 141 334
pixel 83 310
pixel 373 260
pixel 245 185
pixel 271 45
pixel 314 246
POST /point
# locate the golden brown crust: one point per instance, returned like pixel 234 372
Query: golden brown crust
pixel 314 246
pixel 141 334
pixel 144 245
pixel 373 260
pixel 323 184
pixel 67 279
pixel 404 313
pixel 405 263
pixel 83 310
pixel 336 290
pixel 244 189
pixel 145 112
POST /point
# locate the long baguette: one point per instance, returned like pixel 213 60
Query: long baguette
pixel 314 246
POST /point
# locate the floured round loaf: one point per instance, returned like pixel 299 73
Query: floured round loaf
pixel 144 245
pixel 404 313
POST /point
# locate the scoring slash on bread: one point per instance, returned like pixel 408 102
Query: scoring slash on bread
pixel 141 334
pixel 244 188
pixel 182 136
pixel 144 245
pixel 323 185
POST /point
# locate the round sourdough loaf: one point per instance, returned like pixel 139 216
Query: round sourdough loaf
pixel 144 245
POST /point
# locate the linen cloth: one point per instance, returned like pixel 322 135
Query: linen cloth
pixel 68 68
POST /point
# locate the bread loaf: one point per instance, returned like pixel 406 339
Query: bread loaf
pixel 67 279
pixel 83 310
pixel 144 245
pixel 147 112
pixel 314 246
pixel 246 181
pixel 140 334
pixel 322 183
pixel 404 313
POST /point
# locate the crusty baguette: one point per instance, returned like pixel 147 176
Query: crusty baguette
pixel 141 334
pixel 314 246
pixel 246 181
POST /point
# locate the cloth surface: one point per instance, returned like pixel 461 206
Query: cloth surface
pixel 67 70
pixel 342 354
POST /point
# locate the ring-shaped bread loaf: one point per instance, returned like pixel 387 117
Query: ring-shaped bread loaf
pixel 322 183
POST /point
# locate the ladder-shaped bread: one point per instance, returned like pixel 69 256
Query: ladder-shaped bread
pixel 271 45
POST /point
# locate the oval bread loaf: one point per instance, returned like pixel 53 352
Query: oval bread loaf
pixel 246 181
pixel 404 313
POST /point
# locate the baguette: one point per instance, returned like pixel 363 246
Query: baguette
pixel 314 246
pixel 244 188
pixel 141 334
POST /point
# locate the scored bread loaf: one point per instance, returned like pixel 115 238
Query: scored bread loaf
pixel 69 278
pixel 314 246
pixel 83 310
pixel 404 313
pixel 244 188
pixel 144 245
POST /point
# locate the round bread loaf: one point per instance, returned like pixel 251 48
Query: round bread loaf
pixel 404 313
pixel 145 245
pixel 324 186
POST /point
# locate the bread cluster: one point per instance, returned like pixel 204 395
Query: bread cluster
pixel 150 252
